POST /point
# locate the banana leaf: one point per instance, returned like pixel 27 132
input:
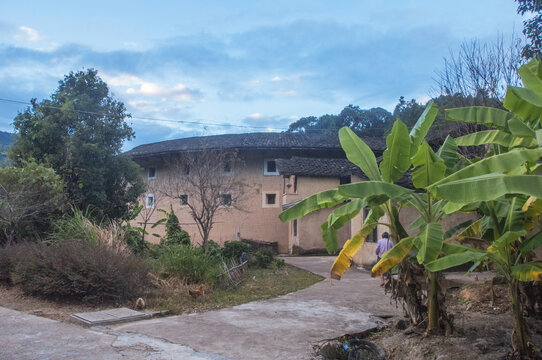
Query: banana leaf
pixel 531 271
pixel 396 158
pixel 359 153
pixel 496 137
pixel 488 116
pixel 321 200
pixel 393 256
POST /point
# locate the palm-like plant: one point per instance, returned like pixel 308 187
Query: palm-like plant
pixel 511 219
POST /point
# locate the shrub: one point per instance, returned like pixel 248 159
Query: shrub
pixel 279 263
pixel 30 198
pixel 214 250
pixel 75 226
pixel 234 249
pixel 263 257
pixel 189 263
pixel 174 234
pixel 80 270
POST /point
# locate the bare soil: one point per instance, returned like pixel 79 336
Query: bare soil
pixel 482 330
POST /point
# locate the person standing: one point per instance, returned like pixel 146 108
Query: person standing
pixel 382 246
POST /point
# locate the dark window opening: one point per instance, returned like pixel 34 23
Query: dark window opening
pixel 185 171
pixel 227 167
pixel 271 166
pixel 270 199
pixel 345 180
pixel 295 227
pixel 373 236
pixel 225 199
pixel 152 173
pixel 295 184
pixel 183 199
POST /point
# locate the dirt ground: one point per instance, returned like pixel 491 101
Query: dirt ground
pixel 13 298
pixel 482 330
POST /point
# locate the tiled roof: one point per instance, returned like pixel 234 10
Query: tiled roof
pixel 319 167
pixel 267 141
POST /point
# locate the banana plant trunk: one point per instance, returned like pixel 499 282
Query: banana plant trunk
pixel 519 321
pixel 433 306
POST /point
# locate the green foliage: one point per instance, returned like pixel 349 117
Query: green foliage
pixel 371 122
pixel 234 249
pixel 279 263
pixel 263 258
pixel 75 226
pixel 174 234
pixel 214 250
pixel 189 263
pixel 532 27
pixel 79 132
pixel 76 270
pixel 31 197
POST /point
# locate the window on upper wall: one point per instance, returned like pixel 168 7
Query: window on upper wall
pixel 270 200
pixel 227 168
pixel 151 174
pixel 185 170
pixel 270 167
pixel 150 201
pixel 183 199
pixel 295 227
pixel 225 199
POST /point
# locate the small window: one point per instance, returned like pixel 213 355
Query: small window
pixel 152 173
pixel 225 199
pixel 373 236
pixel 295 227
pixel 185 170
pixel 345 180
pixel 270 199
pixel 227 168
pixel 270 167
pixel 150 201
pixel 183 199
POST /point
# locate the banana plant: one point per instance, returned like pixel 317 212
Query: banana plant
pixel 508 199
pixel 404 151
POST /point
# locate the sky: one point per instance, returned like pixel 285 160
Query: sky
pixel 193 68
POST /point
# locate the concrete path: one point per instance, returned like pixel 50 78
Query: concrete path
pixel 283 327
pixel 280 328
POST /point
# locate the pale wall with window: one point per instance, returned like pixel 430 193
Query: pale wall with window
pixel 258 221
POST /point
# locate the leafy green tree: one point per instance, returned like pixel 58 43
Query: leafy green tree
pixel 79 132
pixel 532 27
pixel 372 122
pixel 30 198
pixel 175 235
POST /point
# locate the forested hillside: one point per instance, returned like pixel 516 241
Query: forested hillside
pixel 5 141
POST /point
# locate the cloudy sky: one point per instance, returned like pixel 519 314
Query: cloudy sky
pixel 187 68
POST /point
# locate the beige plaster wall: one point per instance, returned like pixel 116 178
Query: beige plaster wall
pixel 255 222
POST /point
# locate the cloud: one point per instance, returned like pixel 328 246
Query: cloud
pixel 26 33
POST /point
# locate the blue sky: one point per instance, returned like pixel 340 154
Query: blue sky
pixel 252 65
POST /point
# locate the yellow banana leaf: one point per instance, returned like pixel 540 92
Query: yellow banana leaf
pixel 394 256
pixel 528 272
pixel 343 260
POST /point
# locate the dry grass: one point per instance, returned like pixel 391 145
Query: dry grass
pixel 259 284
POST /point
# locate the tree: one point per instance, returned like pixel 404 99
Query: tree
pixel 30 197
pixel 373 122
pixel 79 132
pixel 480 72
pixel 204 182
pixel 532 27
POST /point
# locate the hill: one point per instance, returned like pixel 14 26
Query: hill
pixel 6 138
